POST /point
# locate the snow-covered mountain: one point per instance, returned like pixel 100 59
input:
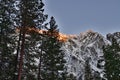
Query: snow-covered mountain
pixel 85 46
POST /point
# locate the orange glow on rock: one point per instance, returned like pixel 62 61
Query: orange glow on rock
pixel 61 37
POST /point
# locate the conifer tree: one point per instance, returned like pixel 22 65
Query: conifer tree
pixel 53 58
pixel 88 73
pixel 30 17
pixel 112 60
pixel 6 40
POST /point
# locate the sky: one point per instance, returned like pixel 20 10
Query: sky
pixel 75 16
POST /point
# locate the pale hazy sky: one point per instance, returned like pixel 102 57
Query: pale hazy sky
pixel 75 16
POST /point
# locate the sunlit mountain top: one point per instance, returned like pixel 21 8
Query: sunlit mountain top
pixel 61 36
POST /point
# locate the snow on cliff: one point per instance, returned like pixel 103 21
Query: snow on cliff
pixel 85 46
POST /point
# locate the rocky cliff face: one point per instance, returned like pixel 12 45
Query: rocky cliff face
pixel 83 47
pixel 115 35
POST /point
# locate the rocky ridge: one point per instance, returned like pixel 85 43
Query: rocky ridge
pixel 86 46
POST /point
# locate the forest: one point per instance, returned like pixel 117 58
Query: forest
pixel 30 45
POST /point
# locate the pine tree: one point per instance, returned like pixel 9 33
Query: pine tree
pixel 30 17
pixel 112 60
pixel 52 57
pixel 88 73
pixel 6 40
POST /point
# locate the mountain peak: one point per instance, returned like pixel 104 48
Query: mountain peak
pixel 86 46
pixel 88 32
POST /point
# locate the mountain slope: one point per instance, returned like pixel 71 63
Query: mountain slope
pixel 83 47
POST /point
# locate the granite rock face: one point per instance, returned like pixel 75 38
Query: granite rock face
pixel 83 47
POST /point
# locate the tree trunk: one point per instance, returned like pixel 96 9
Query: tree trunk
pixel 39 66
pixel 16 57
pixel 21 55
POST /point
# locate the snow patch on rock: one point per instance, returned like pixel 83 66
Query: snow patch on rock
pixel 87 45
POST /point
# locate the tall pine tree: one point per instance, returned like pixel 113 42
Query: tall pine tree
pixel 53 63
pixel 6 40
pixel 88 72
pixel 112 60
pixel 29 16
